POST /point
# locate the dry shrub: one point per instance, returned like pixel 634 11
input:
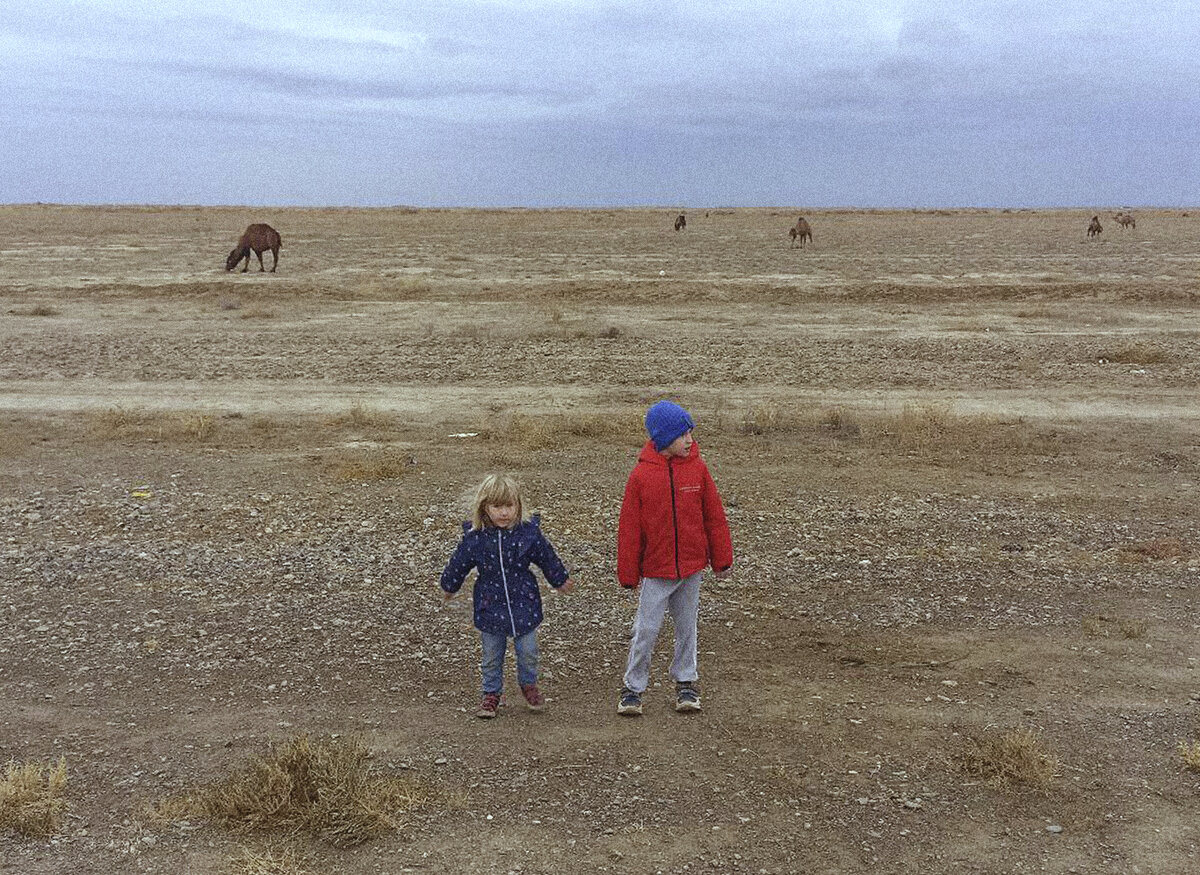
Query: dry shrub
pixel 386 466
pixel 321 788
pixel 1136 354
pixel 1190 754
pixel 1159 549
pixel 1013 757
pixel 33 797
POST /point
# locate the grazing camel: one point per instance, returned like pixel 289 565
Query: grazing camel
pixel 680 222
pixel 800 231
pixel 1125 220
pixel 256 238
pixel 1094 228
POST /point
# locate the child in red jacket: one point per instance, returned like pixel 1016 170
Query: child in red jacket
pixel 672 527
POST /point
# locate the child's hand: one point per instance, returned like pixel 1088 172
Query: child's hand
pixel 449 596
pixel 721 575
pixel 567 587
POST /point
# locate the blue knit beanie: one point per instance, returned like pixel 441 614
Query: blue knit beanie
pixel 666 421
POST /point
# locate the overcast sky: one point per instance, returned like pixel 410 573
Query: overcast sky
pixel 886 103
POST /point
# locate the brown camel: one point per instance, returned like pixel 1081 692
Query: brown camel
pixel 1125 220
pixel 257 239
pixel 800 231
pixel 1094 228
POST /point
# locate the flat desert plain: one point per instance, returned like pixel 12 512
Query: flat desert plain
pixel 958 451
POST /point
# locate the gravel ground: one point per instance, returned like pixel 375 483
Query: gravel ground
pixel 961 475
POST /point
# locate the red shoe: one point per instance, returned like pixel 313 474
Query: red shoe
pixel 489 706
pixel 533 697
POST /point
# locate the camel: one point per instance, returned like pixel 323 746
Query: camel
pixel 680 222
pixel 1094 228
pixel 1125 220
pixel 802 231
pixel 258 238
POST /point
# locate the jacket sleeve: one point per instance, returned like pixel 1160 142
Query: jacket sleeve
pixel 458 567
pixel 716 526
pixel 630 537
pixel 546 559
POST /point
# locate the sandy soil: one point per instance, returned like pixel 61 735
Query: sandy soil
pixel 959 451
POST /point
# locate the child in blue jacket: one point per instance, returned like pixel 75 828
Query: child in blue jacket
pixel 501 543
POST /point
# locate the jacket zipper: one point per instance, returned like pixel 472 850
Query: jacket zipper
pixel 674 518
pixel 504 577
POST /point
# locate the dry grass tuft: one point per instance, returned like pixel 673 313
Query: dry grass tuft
pixel 268 862
pixel 362 417
pixel 543 432
pixel 322 788
pixel 258 313
pixel 1190 754
pixel 840 423
pixel 1136 354
pixel 1098 626
pixel 33 797
pixel 763 418
pixel 36 310
pixel 122 423
pixel 385 466
pixel 1013 757
pixel 1132 628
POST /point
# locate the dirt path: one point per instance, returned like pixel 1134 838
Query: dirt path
pixel 430 402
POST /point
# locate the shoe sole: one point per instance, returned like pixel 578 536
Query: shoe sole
pixel 538 708
pixel 485 715
pixel 687 706
pixel 629 710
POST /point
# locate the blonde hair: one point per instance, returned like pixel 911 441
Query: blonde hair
pixel 495 489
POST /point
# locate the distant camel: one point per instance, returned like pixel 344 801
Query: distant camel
pixel 800 231
pixel 680 222
pixel 256 238
pixel 1094 228
pixel 1125 220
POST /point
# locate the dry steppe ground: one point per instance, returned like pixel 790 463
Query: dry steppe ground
pixel 959 453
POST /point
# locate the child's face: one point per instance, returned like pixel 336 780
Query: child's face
pixel 501 515
pixel 679 447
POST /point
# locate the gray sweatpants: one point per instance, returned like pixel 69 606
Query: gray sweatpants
pixel 657 596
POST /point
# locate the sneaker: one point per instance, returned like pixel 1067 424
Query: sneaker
pixel 533 697
pixel 489 706
pixel 631 702
pixel 687 696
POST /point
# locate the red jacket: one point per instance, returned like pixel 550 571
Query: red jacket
pixel 672 522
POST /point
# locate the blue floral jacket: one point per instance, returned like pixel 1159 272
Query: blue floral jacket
pixel 507 598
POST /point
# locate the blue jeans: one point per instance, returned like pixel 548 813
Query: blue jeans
pixel 492 664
